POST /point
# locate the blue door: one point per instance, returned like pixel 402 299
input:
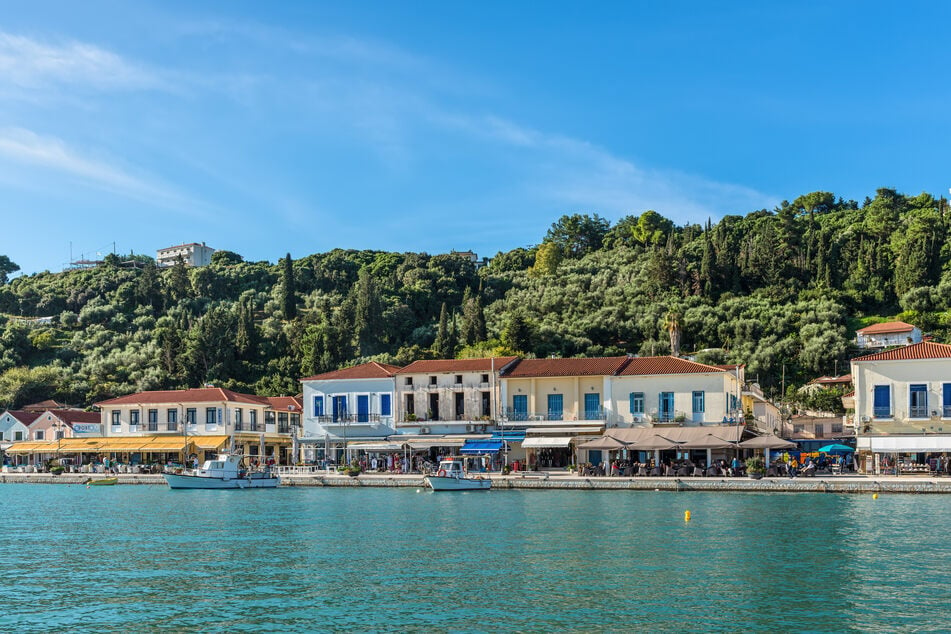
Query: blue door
pixel 556 407
pixel 340 408
pixel 666 406
pixel 363 408
pixel 520 407
pixel 592 406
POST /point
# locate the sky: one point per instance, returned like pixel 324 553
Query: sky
pixel 266 128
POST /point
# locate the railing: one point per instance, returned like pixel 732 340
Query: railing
pixel 283 429
pixel 297 470
pixel 171 426
pixel 591 414
pixel 153 426
pixel 882 412
pixel 918 412
pixel 947 411
pixel 666 417
pixel 239 426
pixel 340 419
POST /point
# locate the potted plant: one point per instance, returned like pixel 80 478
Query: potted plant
pixel 352 470
pixel 755 467
pixel 506 470
pixel 56 469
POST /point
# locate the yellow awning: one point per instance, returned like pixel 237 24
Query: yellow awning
pixel 269 439
pixel 209 443
pixel 166 443
pixel 39 446
pixel 78 445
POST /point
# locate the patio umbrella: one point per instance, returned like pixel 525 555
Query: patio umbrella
pixel 655 443
pixel 836 448
pixel 604 442
pixel 767 442
pixel 708 442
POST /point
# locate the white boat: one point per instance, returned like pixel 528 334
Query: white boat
pixel 452 477
pixel 222 472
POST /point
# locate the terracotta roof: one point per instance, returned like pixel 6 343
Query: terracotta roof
pixel 887 327
pixel 42 406
pixel 923 350
pixel 24 416
pixel 285 403
pixel 195 395
pixel 594 366
pixel 456 365
pixel 372 370
pixel 831 380
pixel 70 416
pixel 666 365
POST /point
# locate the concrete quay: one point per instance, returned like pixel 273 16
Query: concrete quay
pixel 565 481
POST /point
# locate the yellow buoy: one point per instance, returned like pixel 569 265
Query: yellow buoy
pixel 875 496
pixel 686 516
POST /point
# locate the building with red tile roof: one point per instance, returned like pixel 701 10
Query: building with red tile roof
pixel 892 333
pixel 371 370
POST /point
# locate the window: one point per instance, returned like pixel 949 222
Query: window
pixel 211 416
pixel 295 420
pixel 408 381
pixel 282 425
pixel 269 417
pixel 38 435
pixel 637 403
pixel 592 406
pixel 666 400
pixel 882 401
pixel 836 428
pixel 18 435
pixel 946 400
pixel 556 406
pixel 797 429
pixel 385 405
pixel 432 380
pixel 485 378
pixel 520 407
pixel 238 419
pixel 918 401
pixel 191 416
pixel 253 419
pixel 410 405
pixel 458 379
pixel 486 404
pixel 699 402
pixel 820 430
pixel 171 416
pixel 115 417
pixel 318 406
pixel 153 420
pixel 134 417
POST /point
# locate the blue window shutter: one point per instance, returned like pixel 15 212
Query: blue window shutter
pixel 947 394
pixel 384 405
pixel 632 402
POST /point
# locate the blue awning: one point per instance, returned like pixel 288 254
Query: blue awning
pixel 479 447
pixel 515 435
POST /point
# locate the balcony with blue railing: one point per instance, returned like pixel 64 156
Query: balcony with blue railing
pixel 512 415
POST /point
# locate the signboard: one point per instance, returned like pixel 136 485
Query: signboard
pixel 86 428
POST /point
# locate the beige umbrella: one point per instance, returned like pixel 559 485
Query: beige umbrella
pixel 603 442
pixel 708 442
pixel 767 442
pixel 655 443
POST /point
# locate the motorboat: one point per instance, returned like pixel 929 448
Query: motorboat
pixel 102 482
pixel 452 476
pixel 222 472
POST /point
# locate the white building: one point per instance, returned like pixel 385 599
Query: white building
pixel 355 404
pixel 903 400
pixel 193 254
pixel 892 333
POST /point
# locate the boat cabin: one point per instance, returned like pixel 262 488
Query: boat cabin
pixel 452 468
pixel 223 466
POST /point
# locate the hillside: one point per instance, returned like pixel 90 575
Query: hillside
pixel 772 289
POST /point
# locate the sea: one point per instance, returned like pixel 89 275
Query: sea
pixel 149 559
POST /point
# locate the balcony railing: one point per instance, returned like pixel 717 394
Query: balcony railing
pixel 341 419
pixel 666 417
pixel 591 414
pixel 918 412
pixel 882 412
pixel 947 411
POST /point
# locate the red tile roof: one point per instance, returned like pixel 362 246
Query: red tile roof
pixel 70 416
pixel 372 370
pixel 195 395
pixel 887 327
pixel 284 403
pixel 666 365
pixel 23 416
pixel 832 380
pixel 923 350
pixel 42 406
pixel 594 366
pixel 456 365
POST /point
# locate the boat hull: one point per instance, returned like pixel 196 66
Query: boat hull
pixel 442 483
pixel 104 482
pixel 182 481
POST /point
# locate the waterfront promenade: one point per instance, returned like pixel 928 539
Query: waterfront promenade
pixel 565 481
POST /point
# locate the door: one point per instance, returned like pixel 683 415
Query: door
pixel 592 406
pixel 556 407
pixel 363 408
pixel 666 406
pixel 339 408
pixel 460 406
pixel 520 407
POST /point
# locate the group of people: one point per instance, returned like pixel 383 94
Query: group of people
pixel 685 467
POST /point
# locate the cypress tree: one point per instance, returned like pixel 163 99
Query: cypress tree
pixel 288 289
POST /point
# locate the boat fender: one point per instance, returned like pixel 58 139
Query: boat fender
pixel 441 473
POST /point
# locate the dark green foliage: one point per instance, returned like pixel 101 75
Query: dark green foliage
pixel 7 267
pixel 774 289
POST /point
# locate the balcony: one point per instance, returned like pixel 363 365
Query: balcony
pixel 666 418
pixel 350 419
pixel 512 415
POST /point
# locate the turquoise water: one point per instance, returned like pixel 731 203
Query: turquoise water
pixel 145 558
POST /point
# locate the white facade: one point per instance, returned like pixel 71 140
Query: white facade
pixel 905 337
pixel 193 254
pixel 444 402
pixel 349 407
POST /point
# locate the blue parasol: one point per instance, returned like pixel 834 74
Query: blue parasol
pixel 836 448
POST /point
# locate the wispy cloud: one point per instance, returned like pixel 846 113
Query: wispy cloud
pixel 31 64
pixel 25 147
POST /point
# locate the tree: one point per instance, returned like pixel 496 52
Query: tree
pixel 7 267
pixel 177 281
pixel 444 347
pixel 288 289
pixel 473 319
pixel 652 228
pixel 547 258
pixel 518 333
pixel 225 258
pixel 368 313
pixel 578 234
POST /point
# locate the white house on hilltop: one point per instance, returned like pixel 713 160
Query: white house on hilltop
pixel 193 254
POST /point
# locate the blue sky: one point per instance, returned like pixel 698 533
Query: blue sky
pixel 265 128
